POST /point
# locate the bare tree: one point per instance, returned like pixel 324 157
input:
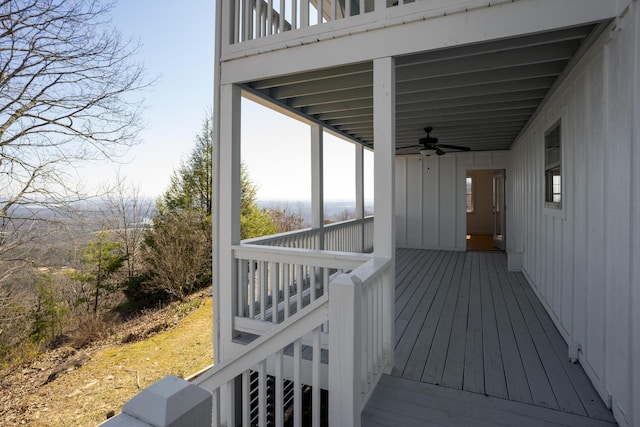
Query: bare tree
pixel 66 79
pixel 286 218
pixel 127 215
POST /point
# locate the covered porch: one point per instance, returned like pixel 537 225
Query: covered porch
pixel 474 346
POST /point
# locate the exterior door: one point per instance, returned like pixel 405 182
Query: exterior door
pixel 499 223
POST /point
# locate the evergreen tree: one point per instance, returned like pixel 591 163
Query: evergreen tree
pixel 49 313
pixel 254 221
pixel 178 249
pixel 100 259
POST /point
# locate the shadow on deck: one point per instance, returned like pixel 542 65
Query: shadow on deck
pixel 475 347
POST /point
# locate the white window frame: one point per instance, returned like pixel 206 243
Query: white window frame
pixel 467 194
pixel 548 191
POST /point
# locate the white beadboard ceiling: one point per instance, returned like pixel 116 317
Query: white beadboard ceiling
pixel 480 96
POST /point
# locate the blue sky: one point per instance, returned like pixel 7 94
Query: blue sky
pixel 177 47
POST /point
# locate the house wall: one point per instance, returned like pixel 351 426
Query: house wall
pixel 430 197
pixel 480 221
pixel 583 261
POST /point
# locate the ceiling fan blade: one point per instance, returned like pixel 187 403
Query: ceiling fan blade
pixel 454 147
pixel 410 147
pixel 439 152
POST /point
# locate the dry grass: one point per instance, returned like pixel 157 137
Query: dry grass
pixel 85 396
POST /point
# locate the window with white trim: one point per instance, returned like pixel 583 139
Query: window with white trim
pixel 553 167
pixel 469 194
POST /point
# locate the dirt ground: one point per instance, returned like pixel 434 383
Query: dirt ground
pixel 68 387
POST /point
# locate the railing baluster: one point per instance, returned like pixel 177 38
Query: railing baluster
pixel 294 14
pixel 370 331
pixel 297 385
pixel 304 13
pixel 246 398
pixel 248 14
pixel 252 289
pixel 320 11
pixel 258 20
pixel 279 401
pixel 315 390
pixel 287 288
pixel 282 11
pixel 262 393
pixel 299 288
pixel 312 273
pixel 269 17
pixel 274 284
pixel 262 266
pixel 237 22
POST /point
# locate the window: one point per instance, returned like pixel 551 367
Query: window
pixel 553 168
pixel 469 194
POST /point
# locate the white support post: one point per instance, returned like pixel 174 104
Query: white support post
pixel 215 201
pixel 360 193
pixel 228 193
pixel 228 196
pixel 317 184
pixel 384 192
pixel 345 350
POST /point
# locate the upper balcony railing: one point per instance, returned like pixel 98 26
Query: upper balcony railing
pixel 251 27
pixel 255 19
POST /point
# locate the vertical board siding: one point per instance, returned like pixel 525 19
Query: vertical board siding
pixel 430 198
pixel 583 260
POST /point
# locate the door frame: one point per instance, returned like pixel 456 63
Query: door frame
pixel 499 212
pixel 462 209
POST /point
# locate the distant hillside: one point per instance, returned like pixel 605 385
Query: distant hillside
pixel 333 208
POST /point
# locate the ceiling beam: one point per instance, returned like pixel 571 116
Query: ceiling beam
pixel 331 97
pixel 520 72
pixel 534 94
pixel 533 55
pixel 571 33
pixel 331 84
pixel 313 75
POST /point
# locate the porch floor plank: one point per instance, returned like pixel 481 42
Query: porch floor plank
pixel 402 402
pixel 474 346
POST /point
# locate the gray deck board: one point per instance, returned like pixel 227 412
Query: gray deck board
pixel 495 384
pixel 515 377
pixel 431 305
pixel 473 375
pixel 402 402
pixel 474 346
pixel 454 363
pixel 434 367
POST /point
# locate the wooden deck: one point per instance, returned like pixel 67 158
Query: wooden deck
pixel 474 346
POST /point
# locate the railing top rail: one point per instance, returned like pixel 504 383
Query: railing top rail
pixel 349 222
pixel 318 258
pixel 275 339
pixel 303 231
pixel 279 236
pixel 365 273
pixel 370 269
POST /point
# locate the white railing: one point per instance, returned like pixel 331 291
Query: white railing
pixel 356 315
pixel 354 235
pixel 253 19
pixel 274 283
pixel 279 353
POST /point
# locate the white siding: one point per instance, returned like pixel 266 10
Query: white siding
pixel 583 261
pixel 430 197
